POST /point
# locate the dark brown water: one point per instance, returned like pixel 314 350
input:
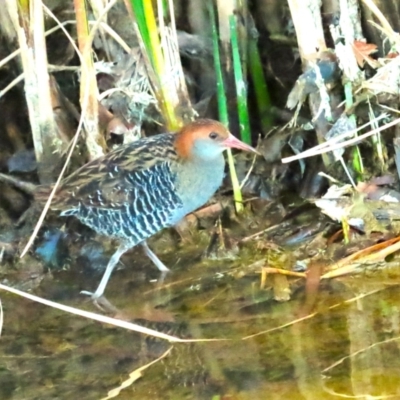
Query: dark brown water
pixel 346 347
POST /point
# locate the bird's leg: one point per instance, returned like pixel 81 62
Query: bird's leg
pixel 156 261
pixel 123 247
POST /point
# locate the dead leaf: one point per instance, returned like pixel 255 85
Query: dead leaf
pixel 362 50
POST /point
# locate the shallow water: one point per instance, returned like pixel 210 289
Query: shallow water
pixel 347 345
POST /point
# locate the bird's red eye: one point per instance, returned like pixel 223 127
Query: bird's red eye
pixel 213 135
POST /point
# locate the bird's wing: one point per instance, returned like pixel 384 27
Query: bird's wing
pixel 138 175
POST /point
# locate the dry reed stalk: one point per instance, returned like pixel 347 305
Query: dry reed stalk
pixel 306 16
pixel 98 7
pixel 307 20
pixel 29 25
pixel 88 90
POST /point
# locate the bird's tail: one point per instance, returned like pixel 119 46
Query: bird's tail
pixel 42 193
pixel 39 192
pixel 26 187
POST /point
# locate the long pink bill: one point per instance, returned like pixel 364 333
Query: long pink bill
pixel 235 143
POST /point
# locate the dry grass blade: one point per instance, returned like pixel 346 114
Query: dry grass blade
pixel 113 35
pixel 385 80
pixel 101 318
pixel 255 235
pixel 248 172
pixel 386 27
pixel 312 315
pixel 359 352
pixel 61 25
pixel 12 84
pixel 372 254
pixel 97 7
pixel 280 271
pixel 133 377
pixel 333 145
pixel 17 52
pixel 93 316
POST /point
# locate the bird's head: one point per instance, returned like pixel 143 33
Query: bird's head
pixel 206 139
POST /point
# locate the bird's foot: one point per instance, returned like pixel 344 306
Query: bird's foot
pixel 93 296
pixel 161 279
pixel 101 302
pixel 156 261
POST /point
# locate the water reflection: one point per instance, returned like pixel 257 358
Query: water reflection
pixel 348 348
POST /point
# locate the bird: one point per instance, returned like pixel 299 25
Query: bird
pixel 142 187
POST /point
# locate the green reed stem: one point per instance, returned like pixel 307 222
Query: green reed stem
pixel 223 110
pixel 241 84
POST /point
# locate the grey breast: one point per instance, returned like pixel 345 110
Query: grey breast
pixel 197 183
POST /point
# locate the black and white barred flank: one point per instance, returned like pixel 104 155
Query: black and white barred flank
pixel 145 202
